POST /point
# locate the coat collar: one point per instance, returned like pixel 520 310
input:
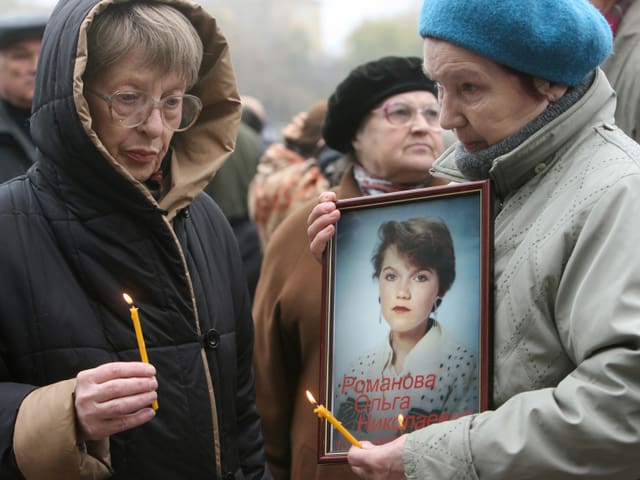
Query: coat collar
pixel 512 170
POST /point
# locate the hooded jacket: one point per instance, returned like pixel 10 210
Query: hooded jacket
pixel 78 231
pixel 566 343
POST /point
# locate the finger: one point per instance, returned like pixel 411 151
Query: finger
pixel 322 208
pixel 327 196
pixel 319 243
pixel 319 221
pixel 127 422
pixel 109 371
pixel 88 393
pixel 92 415
pixel 97 429
pixel 123 387
pixel 125 405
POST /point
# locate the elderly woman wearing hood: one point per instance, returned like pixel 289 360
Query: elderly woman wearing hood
pixel 384 116
pixel 519 84
pixel 113 205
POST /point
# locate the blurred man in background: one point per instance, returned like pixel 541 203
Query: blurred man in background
pixel 20 38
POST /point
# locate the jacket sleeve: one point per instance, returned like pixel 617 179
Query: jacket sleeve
pixel 45 441
pixel 588 425
pixel 11 395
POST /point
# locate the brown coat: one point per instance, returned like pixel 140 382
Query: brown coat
pixel 287 317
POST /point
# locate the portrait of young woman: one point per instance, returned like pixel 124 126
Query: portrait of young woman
pixel 404 330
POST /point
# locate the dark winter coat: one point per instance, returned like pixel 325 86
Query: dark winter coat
pixel 17 152
pixel 77 232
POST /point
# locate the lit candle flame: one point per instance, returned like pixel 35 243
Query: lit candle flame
pixel 311 398
pixel 127 298
pixel 322 412
pixel 401 421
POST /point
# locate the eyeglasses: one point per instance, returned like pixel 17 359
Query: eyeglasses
pixel 131 108
pixel 401 114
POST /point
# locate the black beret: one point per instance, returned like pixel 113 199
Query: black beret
pixel 17 26
pixel 365 87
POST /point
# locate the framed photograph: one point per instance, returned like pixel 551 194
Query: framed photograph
pixel 406 313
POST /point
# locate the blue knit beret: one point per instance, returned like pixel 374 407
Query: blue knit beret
pixel 557 40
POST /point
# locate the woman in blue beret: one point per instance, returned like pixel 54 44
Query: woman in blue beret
pixel 520 85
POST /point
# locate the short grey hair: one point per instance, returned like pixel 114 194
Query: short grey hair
pixel 165 36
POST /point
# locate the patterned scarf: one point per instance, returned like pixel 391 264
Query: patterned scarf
pixel 615 14
pixel 374 186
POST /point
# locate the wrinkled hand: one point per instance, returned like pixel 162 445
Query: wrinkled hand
pixel 114 397
pixel 378 462
pixel 320 224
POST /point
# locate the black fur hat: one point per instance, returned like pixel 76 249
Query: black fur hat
pixel 365 87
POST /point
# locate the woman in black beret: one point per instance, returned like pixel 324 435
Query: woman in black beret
pixel 384 117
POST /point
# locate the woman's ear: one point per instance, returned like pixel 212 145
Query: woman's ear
pixel 551 91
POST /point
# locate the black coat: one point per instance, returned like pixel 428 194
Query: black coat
pixel 76 234
pixel 17 152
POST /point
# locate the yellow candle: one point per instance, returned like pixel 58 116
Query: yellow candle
pixel 322 412
pixel 138 329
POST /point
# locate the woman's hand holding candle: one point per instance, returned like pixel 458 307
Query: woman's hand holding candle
pixel 113 397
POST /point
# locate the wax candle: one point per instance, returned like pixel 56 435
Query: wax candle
pixel 133 310
pixel 322 412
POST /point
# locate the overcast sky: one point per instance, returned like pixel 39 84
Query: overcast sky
pixel 339 17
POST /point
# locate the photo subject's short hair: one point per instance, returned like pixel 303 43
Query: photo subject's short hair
pixel 426 242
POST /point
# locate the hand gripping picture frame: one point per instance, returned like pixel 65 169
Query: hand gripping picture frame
pixel 406 314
